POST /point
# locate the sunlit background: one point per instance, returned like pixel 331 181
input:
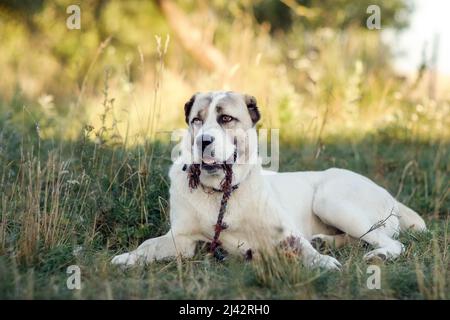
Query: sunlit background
pixel 133 64
pixel 429 27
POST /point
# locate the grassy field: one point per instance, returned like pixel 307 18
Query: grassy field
pixel 80 203
pixel 85 123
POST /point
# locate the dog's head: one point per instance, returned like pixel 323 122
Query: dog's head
pixel 221 130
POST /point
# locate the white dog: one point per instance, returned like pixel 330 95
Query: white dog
pixel 265 211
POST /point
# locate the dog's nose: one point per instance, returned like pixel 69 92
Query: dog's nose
pixel 205 140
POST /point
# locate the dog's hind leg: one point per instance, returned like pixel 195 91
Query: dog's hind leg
pixel 356 222
pixel 386 247
pixel 322 241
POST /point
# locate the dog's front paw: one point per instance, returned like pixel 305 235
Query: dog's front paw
pixel 326 262
pixel 126 259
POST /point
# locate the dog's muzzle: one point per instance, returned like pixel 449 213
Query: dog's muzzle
pixel 209 162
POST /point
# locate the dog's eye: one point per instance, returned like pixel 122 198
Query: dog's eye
pixel 196 121
pixel 225 118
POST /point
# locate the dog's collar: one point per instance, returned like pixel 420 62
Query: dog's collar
pixel 211 190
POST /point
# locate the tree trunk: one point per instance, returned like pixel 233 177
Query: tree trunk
pixel 190 37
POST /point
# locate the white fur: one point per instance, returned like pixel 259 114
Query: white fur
pixel 268 208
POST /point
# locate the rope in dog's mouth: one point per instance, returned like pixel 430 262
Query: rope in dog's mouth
pixel 226 187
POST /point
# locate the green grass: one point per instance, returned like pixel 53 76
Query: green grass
pixel 80 202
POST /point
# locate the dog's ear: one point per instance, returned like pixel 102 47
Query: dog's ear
pixel 252 108
pixel 188 107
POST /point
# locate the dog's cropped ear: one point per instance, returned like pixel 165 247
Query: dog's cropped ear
pixel 252 108
pixel 188 107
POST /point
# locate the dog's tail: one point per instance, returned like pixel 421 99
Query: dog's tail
pixel 409 219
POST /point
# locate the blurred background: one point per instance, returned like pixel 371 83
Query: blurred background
pixel 307 62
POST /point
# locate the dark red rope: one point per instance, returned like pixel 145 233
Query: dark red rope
pixel 194 175
pixel 227 188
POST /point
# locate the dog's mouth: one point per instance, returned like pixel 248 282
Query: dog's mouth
pixel 211 164
pixel 211 168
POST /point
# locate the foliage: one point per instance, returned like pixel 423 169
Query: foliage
pixel 329 13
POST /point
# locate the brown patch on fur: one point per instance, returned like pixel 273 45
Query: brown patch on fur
pixel 187 108
pixel 292 246
pixel 202 114
pixel 252 108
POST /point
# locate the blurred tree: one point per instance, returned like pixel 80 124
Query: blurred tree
pixel 340 14
pixel 36 30
pixel 274 12
pixel 190 37
pixel 27 6
pixel 21 10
